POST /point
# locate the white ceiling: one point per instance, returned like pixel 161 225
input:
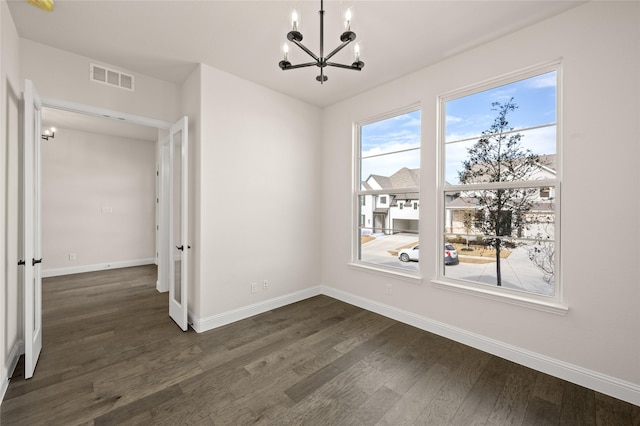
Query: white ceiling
pixel 166 39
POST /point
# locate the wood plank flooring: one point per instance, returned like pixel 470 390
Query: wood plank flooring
pixel 112 356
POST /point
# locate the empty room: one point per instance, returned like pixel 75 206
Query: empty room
pixel 320 212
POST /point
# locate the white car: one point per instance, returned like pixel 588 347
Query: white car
pixel 413 253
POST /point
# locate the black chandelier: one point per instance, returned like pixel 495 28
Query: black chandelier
pixel 321 61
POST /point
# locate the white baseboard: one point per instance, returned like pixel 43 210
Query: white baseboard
pixel 626 391
pixel 96 267
pixel 215 321
pixel 10 366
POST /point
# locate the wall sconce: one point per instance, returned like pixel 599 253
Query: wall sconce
pixel 49 133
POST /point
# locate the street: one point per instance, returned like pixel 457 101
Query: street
pixel 517 271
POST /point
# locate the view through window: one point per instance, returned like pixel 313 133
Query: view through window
pixel 499 186
pixel 389 179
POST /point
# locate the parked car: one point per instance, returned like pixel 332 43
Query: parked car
pixel 413 253
pixel 450 255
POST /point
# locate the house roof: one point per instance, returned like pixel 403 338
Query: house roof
pixel 402 179
pixel 482 172
pixel 462 203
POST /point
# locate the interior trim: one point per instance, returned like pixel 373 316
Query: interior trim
pixel 104 113
pixel 214 321
pixel 96 267
pixel 9 368
pixel 617 388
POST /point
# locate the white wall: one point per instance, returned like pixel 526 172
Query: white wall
pixel 83 174
pixel 259 194
pixel 599 46
pixel 10 123
pixel 63 75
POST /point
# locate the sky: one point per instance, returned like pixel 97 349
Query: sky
pixel 399 133
pixel 466 117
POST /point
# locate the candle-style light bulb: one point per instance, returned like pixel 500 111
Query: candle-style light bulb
pixel 347 20
pixel 47 132
pixel 285 49
pixel 356 51
pixel 294 20
pixel 53 129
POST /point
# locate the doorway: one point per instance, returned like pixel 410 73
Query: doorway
pixel 99 193
pixel 32 238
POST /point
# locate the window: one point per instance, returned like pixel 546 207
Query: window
pixel 387 169
pixel 499 185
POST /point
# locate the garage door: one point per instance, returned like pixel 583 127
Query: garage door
pixel 405 225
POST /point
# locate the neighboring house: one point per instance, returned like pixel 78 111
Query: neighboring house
pixel 462 210
pixel 394 211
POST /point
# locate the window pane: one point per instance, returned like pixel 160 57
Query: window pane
pixel 384 232
pixel 523 265
pixel 535 98
pixel 503 236
pixel 388 145
pixel 389 161
pixel 497 144
pixel 500 126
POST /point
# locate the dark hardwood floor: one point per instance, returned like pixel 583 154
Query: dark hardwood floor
pixel 112 356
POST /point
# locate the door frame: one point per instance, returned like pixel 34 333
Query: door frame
pixel 61 104
pixel 161 125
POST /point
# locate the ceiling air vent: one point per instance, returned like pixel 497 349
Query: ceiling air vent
pixel 111 77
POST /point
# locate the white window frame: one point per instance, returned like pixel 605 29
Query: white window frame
pixel 553 304
pixel 407 275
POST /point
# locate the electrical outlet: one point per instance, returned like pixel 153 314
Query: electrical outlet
pixel 72 257
pixel 254 288
pixel 265 285
pixel 389 289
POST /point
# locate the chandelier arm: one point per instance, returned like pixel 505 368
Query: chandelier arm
pixel 309 52
pixel 306 64
pixel 337 49
pixel 349 67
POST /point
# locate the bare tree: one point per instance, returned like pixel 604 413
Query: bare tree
pixel 467 220
pixel 542 254
pixel 498 156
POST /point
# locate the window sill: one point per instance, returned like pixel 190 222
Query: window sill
pixel 406 276
pixel 488 293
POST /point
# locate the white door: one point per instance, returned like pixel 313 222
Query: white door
pixel 178 222
pixel 31 235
